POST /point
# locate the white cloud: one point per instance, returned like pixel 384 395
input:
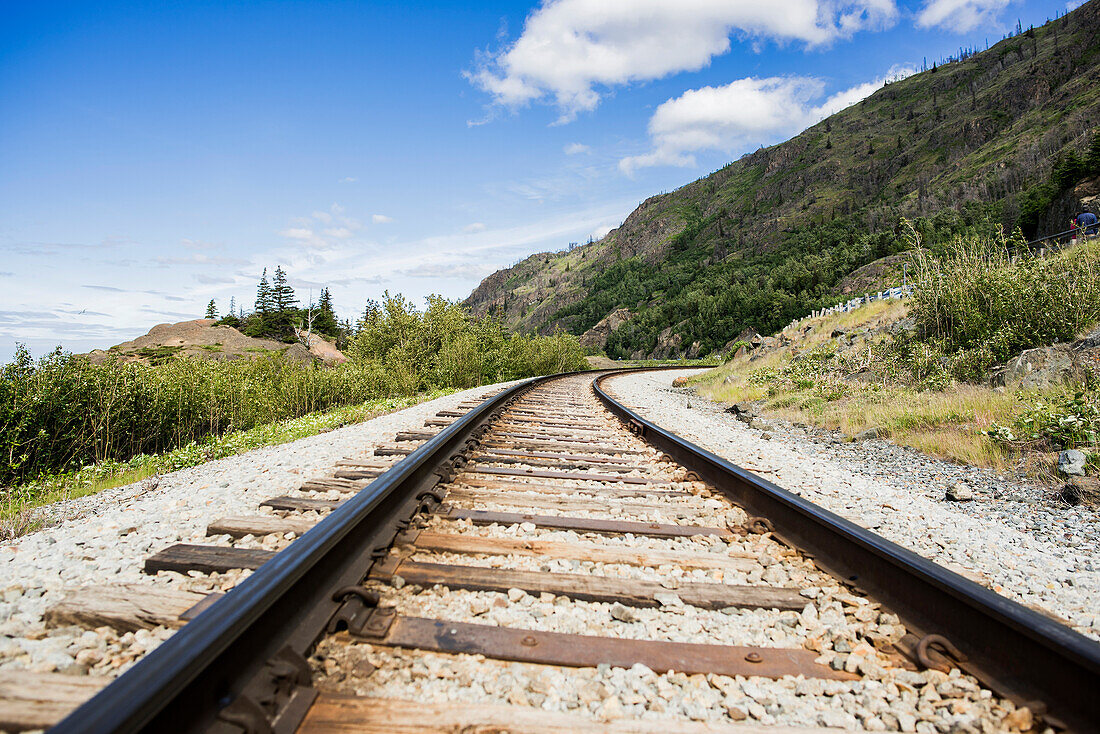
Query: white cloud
pixel 450 270
pixel 297 233
pixel 742 113
pixel 322 229
pixel 1074 4
pixel 575 148
pixel 570 48
pixel 381 219
pixel 475 227
pixel 348 179
pixel 960 15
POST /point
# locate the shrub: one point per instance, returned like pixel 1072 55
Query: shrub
pixel 981 305
pixel 445 347
pixel 63 412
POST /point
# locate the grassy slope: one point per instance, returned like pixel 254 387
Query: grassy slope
pixel 982 130
pixel 944 423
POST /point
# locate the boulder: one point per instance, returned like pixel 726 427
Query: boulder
pixel 1040 367
pixel 872 433
pixel 1072 462
pixel 959 492
pixel 1060 363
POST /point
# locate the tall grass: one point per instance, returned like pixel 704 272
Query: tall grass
pixel 979 299
pixel 62 412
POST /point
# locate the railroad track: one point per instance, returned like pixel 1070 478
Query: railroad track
pixel 546 560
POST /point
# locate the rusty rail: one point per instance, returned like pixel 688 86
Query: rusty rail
pixel 1017 652
pixel 241 664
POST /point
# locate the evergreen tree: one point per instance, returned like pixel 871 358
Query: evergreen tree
pixel 211 310
pixel 1092 160
pixel 284 307
pixel 259 323
pixel 263 297
pixel 282 295
pixel 324 321
pixel 232 306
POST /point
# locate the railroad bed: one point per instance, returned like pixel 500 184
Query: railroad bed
pixel 559 573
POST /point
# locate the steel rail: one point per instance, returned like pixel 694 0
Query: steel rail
pixel 1017 652
pixel 266 626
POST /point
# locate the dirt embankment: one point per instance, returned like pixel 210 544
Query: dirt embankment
pixel 203 339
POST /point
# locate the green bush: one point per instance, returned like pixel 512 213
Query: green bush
pixel 1072 421
pixel 444 347
pixel 62 412
pixel 981 305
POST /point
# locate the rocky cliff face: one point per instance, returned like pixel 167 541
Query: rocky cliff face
pixel 597 335
pixel 986 130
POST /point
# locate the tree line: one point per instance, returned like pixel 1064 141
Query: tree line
pixel 276 313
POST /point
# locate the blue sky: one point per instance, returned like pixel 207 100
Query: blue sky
pixel 156 155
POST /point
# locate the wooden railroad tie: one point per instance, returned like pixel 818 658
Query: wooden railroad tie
pixel 476 545
pixel 507 484
pixel 340 714
pixel 580 587
pixel 493 442
pixel 559 462
pixel 551 455
pixel 584 524
pixel 588 651
pixel 505 471
pixel 569 503
pixel 30 701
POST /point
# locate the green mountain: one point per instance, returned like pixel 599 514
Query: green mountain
pixel 1001 135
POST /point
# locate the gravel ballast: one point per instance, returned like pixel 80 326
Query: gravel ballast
pixel 1014 536
pixel 105 538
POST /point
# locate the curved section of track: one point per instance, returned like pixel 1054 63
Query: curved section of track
pixel 550 561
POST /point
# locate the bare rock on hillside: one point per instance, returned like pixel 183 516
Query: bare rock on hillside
pixel 883 273
pixel 322 349
pixel 668 345
pixel 1087 191
pixel 203 339
pixel 597 335
pixel 1060 363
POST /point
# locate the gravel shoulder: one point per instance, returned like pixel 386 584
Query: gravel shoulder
pixel 1014 537
pixel 104 538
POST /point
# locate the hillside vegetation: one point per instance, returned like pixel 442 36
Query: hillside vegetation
pixel 1003 136
pixel 962 370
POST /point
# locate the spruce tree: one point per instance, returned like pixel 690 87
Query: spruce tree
pixel 1093 158
pixel 211 310
pixel 263 297
pixel 284 306
pixel 259 324
pixel 324 321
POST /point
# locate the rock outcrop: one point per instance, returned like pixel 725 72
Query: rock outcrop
pixel 1057 364
pixel 597 335
pixel 204 339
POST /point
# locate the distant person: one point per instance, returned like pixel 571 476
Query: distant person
pixel 1087 221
